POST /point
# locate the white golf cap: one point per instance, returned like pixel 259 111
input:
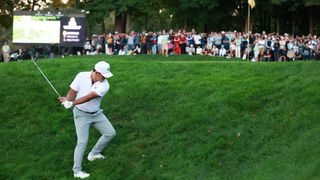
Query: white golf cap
pixel 103 68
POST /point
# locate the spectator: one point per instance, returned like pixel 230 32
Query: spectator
pixel 1 56
pixel 131 41
pixel 183 43
pixel 177 49
pixel 190 50
pixel 137 40
pixel 238 46
pixel 159 42
pixel 6 52
pixel 109 44
pixel 149 43
pixel 122 51
pixel 154 43
pixel 87 47
pixel 267 55
pixel 276 50
pixel 214 51
pixel 165 41
pixel 225 41
pixel 222 51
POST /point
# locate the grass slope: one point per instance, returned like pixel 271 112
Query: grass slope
pixel 176 118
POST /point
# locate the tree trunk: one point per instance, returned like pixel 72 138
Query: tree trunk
pixel 103 27
pixel 146 23
pixel 310 20
pixel 205 28
pixel 128 23
pixel 278 24
pixel 120 22
pixel 293 24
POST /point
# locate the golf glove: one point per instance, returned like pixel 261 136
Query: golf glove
pixel 67 104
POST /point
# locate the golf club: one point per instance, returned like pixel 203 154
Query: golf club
pixel 32 59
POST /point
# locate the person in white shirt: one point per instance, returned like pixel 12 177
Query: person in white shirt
pixel 159 42
pixel 222 51
pixel 165 41
pixel 6 52
pixel 85 94
pixel 190 50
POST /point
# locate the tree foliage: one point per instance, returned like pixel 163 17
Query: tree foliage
pixel 292 16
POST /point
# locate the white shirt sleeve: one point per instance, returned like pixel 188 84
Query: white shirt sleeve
pixel 102 88
pixel 76 82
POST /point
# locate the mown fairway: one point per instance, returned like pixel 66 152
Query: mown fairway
pixel 176 118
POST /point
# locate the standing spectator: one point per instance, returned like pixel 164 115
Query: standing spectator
pixel 190 39
pixel 130 41
pixel 6 52
pixel 149 43
pixel 261 42
pixel 137 40
pixel 183 43
pixel 225 41
pixel 232 48
pixel 154 43
pixel 276 49
pixel 94 42
pixel 268 43
pixel 102 42
pixel 144 43
pixel 159 42
pixel 165 41
pixel 1 56
pixel 306 52
pixel 110 44
pixel 238 46
pixel 122 41
pixel 177 49
pixel 116 43
pixel 244 47
pixel 197 40
pixel 283 51
pixel 217 40
pixel 256 51
pixel 210 41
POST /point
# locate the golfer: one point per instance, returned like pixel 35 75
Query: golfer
pixel 85 94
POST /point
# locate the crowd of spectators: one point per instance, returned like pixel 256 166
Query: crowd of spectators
pixel 248 46
pixel 232 44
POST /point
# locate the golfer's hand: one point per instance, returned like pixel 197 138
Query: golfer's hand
pixel 67 104
pixel 63 99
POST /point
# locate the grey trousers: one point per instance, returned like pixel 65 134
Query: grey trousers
pixel 83 121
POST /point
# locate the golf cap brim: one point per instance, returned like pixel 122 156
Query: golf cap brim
pixel 107 75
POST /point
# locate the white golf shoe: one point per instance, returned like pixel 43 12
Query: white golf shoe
pixel 81 175
pixel 92 157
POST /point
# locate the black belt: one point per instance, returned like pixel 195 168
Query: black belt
pixel 86 111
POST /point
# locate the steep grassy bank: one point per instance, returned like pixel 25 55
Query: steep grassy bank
pixel 176 118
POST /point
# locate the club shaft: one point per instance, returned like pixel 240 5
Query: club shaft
pixel 45 77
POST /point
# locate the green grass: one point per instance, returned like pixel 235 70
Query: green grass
pixel 179 117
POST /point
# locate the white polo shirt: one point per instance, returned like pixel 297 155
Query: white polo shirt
pixel 83 85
